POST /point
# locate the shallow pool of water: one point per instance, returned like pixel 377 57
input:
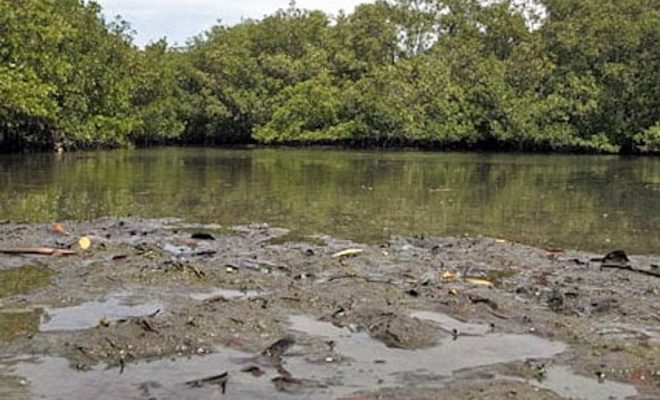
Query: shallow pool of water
pixel 89 314
pixel 358 363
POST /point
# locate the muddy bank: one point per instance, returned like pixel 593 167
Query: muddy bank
pixel 163 309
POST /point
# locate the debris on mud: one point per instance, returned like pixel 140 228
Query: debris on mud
pixel 168 303
pixel 219 380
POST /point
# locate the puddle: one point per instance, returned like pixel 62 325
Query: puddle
pixel 178 250
pixel 51 378
pixel 23 279
pixel 359 363
pixel 226 293
pixel 449 324
pixel 564 382
pixel 17 323
pixel 87 315
pixel 371 364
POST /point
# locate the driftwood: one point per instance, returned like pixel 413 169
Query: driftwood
pixel 618 259
pixel 652 270
pixel 44 251
pixel 220 380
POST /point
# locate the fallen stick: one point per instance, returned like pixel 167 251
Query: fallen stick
pixel 44 251
pixel 652 271
pixel 220 380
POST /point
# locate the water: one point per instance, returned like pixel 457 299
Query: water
pixel 89 314
pixel 371 364
pixel 585 202
pixel 564 382
pixel 23 279
pixel 359 363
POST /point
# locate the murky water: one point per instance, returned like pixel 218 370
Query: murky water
pixel 359 363
pixel 22 279
pixel 584 202
pixel 17 323
pixel 371 364
pixel 88 315
pixel 567 384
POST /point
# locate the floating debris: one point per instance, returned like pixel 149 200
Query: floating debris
pixel 277 349
pixel 220 380
pixel 254 370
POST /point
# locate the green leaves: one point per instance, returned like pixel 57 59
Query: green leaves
pixel 310 111
pixel 450 73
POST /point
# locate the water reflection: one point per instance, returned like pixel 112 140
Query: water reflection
pixel 23 279
pixel 584 202
pixel 89 314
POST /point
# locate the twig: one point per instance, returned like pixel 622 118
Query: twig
pixel 364 278
pixel 220 380
pixel 44 251
pixel 651 271
pixel 200 274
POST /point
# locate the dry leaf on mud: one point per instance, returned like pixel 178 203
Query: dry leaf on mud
pixel 59 229
pixel 347 253
pixel 554 250
pixel 449 276
pixel 84 243
pixel 477 281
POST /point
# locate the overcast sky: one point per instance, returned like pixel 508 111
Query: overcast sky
pixel 178 19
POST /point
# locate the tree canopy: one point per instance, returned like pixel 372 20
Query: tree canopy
pixel 539 75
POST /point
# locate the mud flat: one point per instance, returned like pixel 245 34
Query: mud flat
pixel 163 309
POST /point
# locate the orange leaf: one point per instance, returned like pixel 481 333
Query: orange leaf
pixel 59 229
pixel 554 250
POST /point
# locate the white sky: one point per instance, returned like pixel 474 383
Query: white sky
pixel 179 20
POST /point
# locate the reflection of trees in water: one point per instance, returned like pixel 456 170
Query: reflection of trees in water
pixel 558 200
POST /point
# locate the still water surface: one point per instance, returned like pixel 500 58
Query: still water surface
pixel 582 202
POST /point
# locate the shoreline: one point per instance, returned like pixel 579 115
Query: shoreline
pixel 344 146
pixel 159 289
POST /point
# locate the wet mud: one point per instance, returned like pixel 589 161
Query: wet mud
pixel 163 309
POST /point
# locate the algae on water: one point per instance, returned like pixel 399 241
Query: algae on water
pixel 23 279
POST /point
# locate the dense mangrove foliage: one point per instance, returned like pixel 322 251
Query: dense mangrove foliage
pixel 540 75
